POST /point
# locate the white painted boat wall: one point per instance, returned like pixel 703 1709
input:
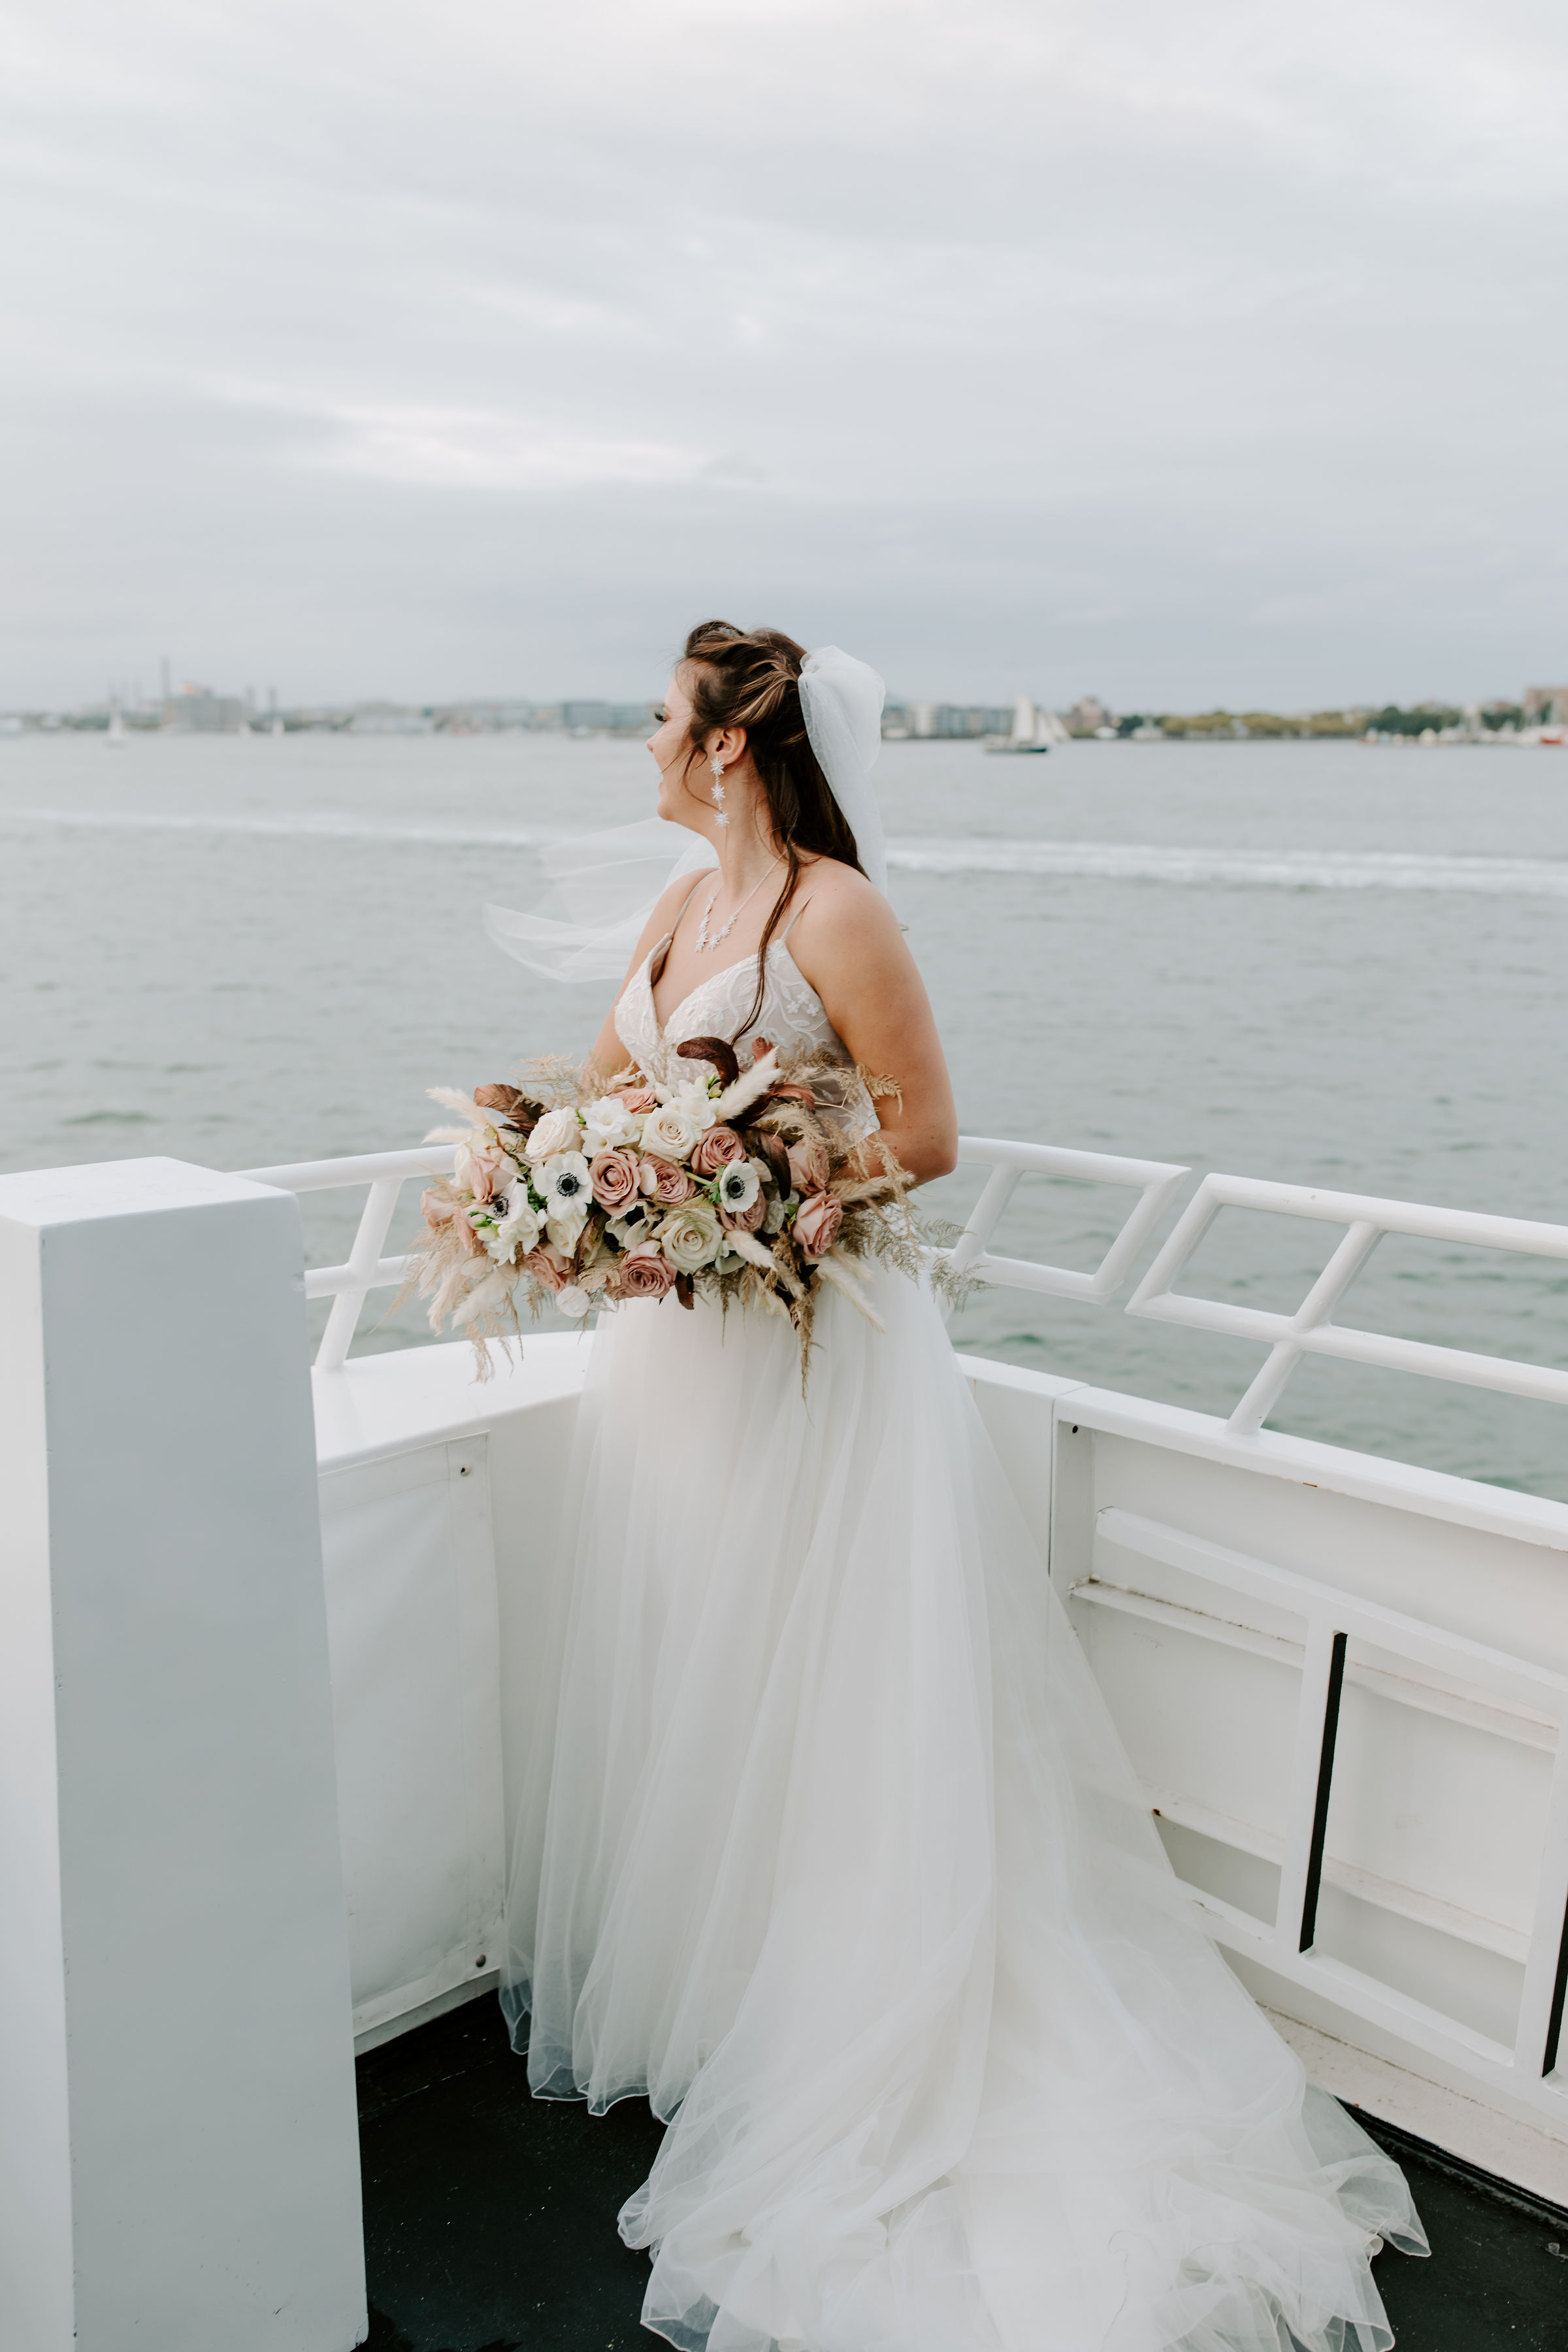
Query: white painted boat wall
pixel 1213 1570
pixel 1213 1573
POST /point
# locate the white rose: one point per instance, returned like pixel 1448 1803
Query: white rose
pixel 607 1124
pixel 572 1302
pixel 557 1131
pixel 690 1237
pixel 670 1131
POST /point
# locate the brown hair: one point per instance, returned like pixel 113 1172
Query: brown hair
pixel 751 678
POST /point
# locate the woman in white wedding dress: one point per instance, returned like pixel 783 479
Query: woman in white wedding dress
pixel 827 1844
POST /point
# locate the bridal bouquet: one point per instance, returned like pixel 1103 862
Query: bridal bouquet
pixel 573 1193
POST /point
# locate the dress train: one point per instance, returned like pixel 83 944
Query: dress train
pixel 829 1845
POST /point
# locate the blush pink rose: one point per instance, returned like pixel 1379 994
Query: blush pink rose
pixel 745 1221
pixel 715 1150
pixel 486 1171
pixel 816 1226
pixel 808 1166
pixel 665 1183
pixel 645 1275
pixel 614 1177
pixel 548 1266
pixel 637 1099
pixel 434 1210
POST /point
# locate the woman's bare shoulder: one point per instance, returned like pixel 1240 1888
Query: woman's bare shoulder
pixel 838 907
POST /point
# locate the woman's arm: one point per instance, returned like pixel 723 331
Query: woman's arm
pixel 848 943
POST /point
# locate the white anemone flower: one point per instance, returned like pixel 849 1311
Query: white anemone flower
pixel 562 1183
pixel 739 1184
pixel 519 1227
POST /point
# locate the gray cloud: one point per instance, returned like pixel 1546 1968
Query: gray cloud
pixel 1185 354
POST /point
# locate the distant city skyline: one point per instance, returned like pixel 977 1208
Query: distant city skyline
pixel 192 707
pixel 1198 355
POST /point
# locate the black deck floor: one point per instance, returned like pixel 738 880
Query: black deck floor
pixel 490 2218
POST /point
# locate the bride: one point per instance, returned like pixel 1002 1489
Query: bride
pixel 827 1846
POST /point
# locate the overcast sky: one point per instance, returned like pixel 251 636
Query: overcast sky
pixel 1184 351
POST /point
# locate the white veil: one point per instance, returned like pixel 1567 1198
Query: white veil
pixel 605 885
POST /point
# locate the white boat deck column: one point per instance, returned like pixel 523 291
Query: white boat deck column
pixel 179 2162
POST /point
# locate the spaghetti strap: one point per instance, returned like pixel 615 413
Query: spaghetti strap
pixel 795 916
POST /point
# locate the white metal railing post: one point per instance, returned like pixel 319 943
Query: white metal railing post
pixel 998 1189
pixel 364 1261
pixel 1316 1308
pixel 1311 1331
pixel 1154 1180
pixel 366 1270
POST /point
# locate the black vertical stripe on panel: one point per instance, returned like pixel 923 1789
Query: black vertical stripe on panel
pixel 1555 2024
pixel 1325 1786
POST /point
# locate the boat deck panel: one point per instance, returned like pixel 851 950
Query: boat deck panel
pixel 491 2217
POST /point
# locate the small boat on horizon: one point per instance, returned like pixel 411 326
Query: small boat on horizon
pixel 1034 730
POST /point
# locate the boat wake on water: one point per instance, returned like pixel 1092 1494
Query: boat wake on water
pixel 1109 861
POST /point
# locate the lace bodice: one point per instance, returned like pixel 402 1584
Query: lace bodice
pixel 793 1017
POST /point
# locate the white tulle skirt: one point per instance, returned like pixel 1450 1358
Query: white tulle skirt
pixel 830 1848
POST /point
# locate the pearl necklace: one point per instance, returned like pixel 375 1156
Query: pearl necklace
pixel 706 939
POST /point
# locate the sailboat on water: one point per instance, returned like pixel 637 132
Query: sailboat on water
pixel 1033 730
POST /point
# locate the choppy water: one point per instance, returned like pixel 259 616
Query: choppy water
pixel 1313 961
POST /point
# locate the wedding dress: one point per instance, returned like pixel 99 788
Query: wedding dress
pixel 828 1846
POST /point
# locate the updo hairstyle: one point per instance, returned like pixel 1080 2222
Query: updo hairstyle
pixel 751 678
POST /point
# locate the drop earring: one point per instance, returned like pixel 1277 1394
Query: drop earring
pixel 718 768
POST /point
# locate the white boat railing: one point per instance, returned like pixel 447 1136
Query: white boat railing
pixel 1310 1330
pixel 350 1285
pixel 1154 1180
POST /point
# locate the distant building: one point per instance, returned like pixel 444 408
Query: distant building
pixel 198 710
pixel 606 717
pixel 387 718
pixel 1546 706
pixel 948 721
pixel 1088 716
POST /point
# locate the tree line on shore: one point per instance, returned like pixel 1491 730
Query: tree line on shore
pixel 1420 718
